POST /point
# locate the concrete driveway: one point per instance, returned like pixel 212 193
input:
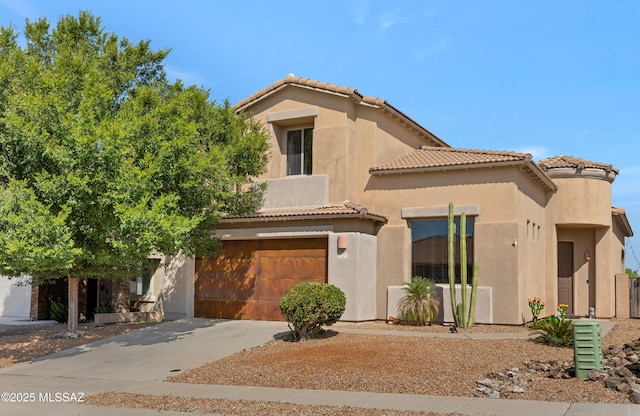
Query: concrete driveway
pixel 129 361
pixel 152 353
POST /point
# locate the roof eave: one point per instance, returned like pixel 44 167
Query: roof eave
pixel 350 93
pixel 624 221
pixel 403 118
pixel 541 174
pixel 542 178
pixel 440 168
pixel 303 217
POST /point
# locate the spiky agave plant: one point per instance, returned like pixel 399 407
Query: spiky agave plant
pixel 419 306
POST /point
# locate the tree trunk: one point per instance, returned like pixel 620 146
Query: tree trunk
pixel 72 318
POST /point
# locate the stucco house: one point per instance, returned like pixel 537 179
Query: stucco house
pixel 357 196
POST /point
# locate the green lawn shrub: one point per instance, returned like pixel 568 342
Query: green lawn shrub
pixel 309 306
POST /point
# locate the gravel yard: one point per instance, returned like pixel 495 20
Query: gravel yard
pixel 381 363
pixel 400 364
pixel 356 362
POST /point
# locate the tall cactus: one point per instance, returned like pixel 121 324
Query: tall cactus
pixel 474 286
pixel 463 268
pixel 452 263
pixel 461 318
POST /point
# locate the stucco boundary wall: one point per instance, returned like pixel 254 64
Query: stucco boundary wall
pixel 101 319
pixel 484 302
pixel 623 297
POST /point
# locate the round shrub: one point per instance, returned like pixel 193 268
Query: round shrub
pixel 309 306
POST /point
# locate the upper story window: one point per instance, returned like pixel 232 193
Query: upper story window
pixel 299 151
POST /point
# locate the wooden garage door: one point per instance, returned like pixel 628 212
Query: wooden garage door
pixel 248 278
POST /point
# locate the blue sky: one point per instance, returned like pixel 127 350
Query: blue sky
pixel 546 77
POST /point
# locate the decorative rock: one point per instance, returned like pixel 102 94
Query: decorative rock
pixel 516 389
pixel 624 372
pixel 612 382
pixel 489 383
pixel 621 372
pixel 623 388
pixel 67 334
pixel 494 395
pixel 595 375
pixel 555 373
pixel 635 367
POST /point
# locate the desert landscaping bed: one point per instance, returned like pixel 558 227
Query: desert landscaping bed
pixel 354 362
pixel 381 363
pixel 398 364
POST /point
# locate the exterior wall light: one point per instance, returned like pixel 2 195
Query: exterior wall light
pixel 342 242
pixel 587 255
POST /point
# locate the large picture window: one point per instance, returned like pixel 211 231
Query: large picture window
pixel 299 151
pixel 430 249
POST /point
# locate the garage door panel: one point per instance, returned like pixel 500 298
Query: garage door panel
pixel 269 310
pixel 273 288
pixel 224 288
pixel 220 308
pixel 294 267
pixel 248 279
pixel 226 266
pixel 293 253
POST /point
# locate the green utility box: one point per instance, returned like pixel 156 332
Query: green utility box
pixel 587 347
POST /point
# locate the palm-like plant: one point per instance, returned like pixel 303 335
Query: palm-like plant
pixel 554 331
pixel 419 306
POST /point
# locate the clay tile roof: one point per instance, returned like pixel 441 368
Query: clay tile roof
pixel 351 93
pixel 621 216
pixel 347 210
pixel 430 157
pixel 558 162
pixel 302 82
pixel 441 158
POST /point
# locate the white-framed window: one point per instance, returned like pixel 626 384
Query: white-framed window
pixel 299 151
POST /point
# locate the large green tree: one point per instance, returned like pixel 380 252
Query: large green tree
pixel 104 160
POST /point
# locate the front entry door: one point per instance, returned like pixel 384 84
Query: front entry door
pixel 565 274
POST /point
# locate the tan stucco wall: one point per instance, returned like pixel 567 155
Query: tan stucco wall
pixel 606 267
pixel 348 138
pixel 580 212
pixel 580 201
pixel 353 270
pixel 518 225
pixel 393 262
pixel 506 200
